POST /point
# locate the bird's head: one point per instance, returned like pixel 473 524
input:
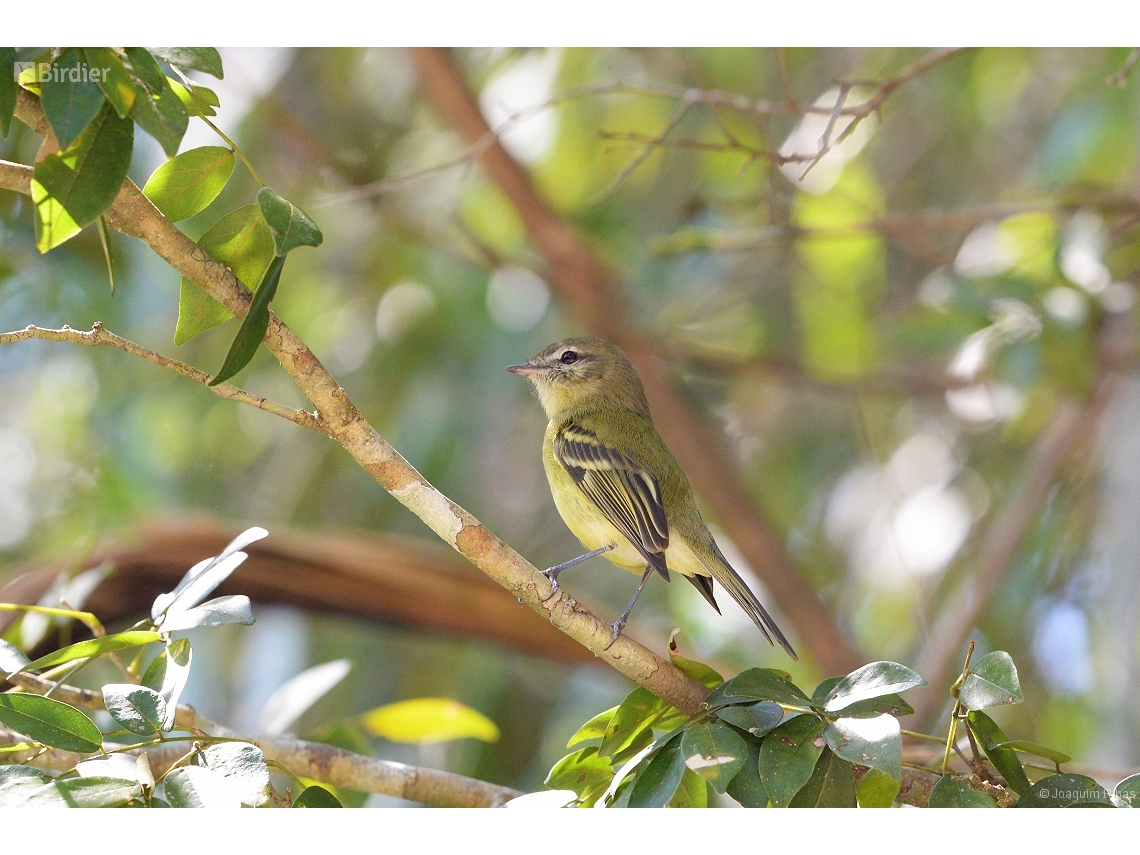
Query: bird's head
pixel 581 373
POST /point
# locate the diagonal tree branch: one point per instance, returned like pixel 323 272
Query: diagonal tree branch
pixel 134 215
pixel 591 292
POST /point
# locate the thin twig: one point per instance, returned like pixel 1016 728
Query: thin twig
pixel 683 109
pixel 97 336
pixel 1120 79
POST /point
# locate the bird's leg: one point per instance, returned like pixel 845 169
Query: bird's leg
pixel 619 624
pixel 551 573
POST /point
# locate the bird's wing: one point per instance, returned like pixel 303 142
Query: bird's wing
pixel 623 490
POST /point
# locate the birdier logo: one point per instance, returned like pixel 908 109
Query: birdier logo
pixel 45 72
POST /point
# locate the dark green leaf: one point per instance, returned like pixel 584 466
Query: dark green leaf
pixel 12 658
pixel 874 742
pixel 253 326
pixel 137 708
pixel 1126 794
pixel 643 739
pixel 714 751
pixel 115 80
pixel 819 696
pixel 951 792
pixel 759 684
pixel 990 683
pixel 699 671
pixel 96 792
pixel 220 611
pixel 108 256
pixel 50 722
pixel 242 241
pixel 831 784
pixel 1066 790
pixel 595 728
pixel 757 718
pixel 1005 760
pixel 1025 747
pixel 8 89
pixel 316 797
pixel 157 109
pixel 871 681
pixel 634 715
pixel 877 790
pixel 198 100
pixel 198 786
pixel 746 787
pixel 788 756
pixel 186 184
pixel 70 97
pixel 168 674
pixel 692 792
pixel 17 770
pixel 205 59
pixel 584 772
pixel 244 765
pixel 291 226
pixel 72 187
pixel 889 704
pixel 657 782
pixel 94 647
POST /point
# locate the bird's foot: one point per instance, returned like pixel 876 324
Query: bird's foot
pixel 617 626
pixel 551 573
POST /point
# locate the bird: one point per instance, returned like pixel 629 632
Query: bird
pixel 615 482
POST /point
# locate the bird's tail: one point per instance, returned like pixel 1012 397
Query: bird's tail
pixel 740 592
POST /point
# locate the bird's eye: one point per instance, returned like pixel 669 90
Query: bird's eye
pixel 569 357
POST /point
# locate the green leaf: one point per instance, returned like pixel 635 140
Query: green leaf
pixel 423 720
pixel 692 792
pixel 831 784
pixel 201 579
pixel 115 80
pixel 991 683
pixel 871 681
pixel 94 647
pixel 157 109
pixel 168 674
pixel 17 770
pixel 198 100
pixel 746 787
pixel 8 89
pixel 197 787
pixel 951 792
pixel 595 728
pixel 123 766
pixel 241 240
pixel 206 59
pixel 699 671
pixel 244 765
pixel 72 187
pixel 99 792
pixel 584 772
pixel 316 797
pixel 1005 760
pixel 1067 790
pixel 12 658
pixel 715 752
pixel 1023 746
pixel 50 722
pixel 757 718
pixel 634 715
pixel 788 756
pixel 70 98
pixel 877 790
pixel 295 696
pixel 658 781
pixel 1126 793
pixel 186 184
pixel 220 611
pixel 253 326
pixel 14 792
pixel 291 227
pixel 874 742
pixel 819 696
pixel 137 708
pixel 759 684
pixel 888 704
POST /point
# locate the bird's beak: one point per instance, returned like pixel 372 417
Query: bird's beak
pixel 524 370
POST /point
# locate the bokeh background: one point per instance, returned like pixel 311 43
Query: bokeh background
pixel 920 356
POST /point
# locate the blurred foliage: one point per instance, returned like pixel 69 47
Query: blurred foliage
pixel 883 353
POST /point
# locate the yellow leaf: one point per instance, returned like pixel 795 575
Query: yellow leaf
pixel 429 720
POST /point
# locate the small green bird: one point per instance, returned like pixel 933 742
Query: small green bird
pixel 616 484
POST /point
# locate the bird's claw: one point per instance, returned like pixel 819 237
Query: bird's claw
pixel 554 586
pixel 617 626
